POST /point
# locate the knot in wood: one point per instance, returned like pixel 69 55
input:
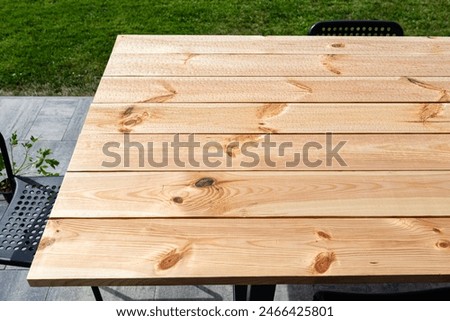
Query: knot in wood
pixel 324 235
pixel 46 242
pixel 128 111
pixel 338 45
pixel 205 182
pixel 323 261
pixel 443 244
pixel 177 199
pixel 437 230
pixel 170 259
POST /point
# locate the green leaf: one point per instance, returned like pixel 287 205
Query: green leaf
pixel 5 185
pixel 39 163
pixel 44 152
pixel 52 162
pixel 2 163
pixel 42 170
pixel 37 160
pixel 13 140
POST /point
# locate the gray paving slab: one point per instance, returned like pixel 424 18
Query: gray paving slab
pixel 14 287
pixel 294 292
pixel 194 293
pixel 70 294
pixel 132 293
pixel 9 111
pixel 77 120
pixel 128 293
pixel 59 107
pixel 54 118
pixel 61 151
pixel 49 127
pixel 10 267
pixel 18 115
pixel 50 123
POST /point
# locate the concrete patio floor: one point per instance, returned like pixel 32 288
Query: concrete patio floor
pixel 57 121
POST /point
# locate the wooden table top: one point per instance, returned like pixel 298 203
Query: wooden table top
pixel 327 159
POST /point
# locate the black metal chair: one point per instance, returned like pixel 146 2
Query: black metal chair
pixel 23 223
pixel 356 28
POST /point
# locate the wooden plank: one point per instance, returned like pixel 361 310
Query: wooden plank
pixel 238 65
pixel 253 194
pixel 203 251
pixel 405 46
pixel 248 118
pixel 272 89
pixel 346 152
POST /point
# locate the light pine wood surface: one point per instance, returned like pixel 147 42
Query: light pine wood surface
pixel 272 89
pixel 249 152
pixel 204 251
pixel 383 216
pixel 276 65
pixel 253 194
pixel 282 118
pixel 376 46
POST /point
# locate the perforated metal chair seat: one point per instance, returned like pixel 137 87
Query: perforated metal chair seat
pixel 23 223
pixel 25 218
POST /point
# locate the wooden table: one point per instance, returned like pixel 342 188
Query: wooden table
pixel 384 215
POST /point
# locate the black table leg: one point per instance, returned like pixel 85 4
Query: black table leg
pixel 254 292
pixel 97 294
pixel 240 292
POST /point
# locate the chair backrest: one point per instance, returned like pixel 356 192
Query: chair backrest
pixel 5 156
pixel 356 28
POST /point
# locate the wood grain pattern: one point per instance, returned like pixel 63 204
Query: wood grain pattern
pixel 253 194
pixel 384 217
pixel 250 152
pixel 248 118
pixel 237 65
pixel 272 89
pixel 404 46
pixel 158 251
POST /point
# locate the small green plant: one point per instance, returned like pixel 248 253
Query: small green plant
pixel 38 161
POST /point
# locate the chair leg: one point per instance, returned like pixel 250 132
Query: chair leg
pixel 97 294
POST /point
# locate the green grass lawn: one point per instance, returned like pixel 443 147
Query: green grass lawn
pixel 61 47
